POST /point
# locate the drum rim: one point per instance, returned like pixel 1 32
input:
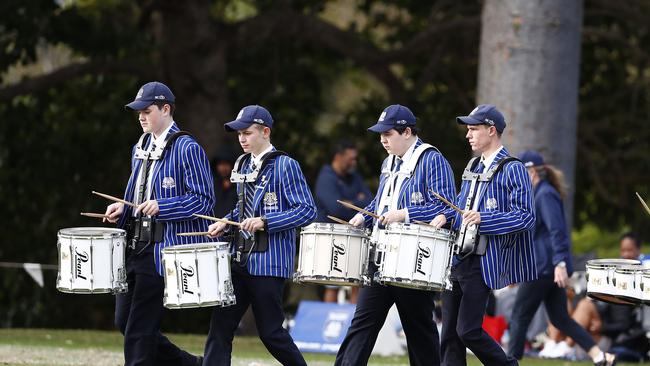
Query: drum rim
pixel 428 228
pixel 346 229
pixel 106 232
pixel 632 268
pixel 191 247
pixel 613 262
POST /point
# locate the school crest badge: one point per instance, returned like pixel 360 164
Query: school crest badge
pixel 168 182
pixel 417 198
pixel 491 203
pixel 270 199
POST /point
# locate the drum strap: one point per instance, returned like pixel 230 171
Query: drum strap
pixel 469 241
pixel 258 242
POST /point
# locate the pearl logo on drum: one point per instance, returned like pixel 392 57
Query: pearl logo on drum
pixel 80 258
pixel 337 251
pixel 186 272
pixel 422 254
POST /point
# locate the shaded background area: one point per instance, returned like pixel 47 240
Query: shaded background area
pixel 325 70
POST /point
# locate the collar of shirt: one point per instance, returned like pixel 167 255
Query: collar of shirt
pixel 257 159
pixel 160 140
pixel 487 160
pixel 409 153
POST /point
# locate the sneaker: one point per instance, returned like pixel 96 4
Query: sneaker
pixel 547 350
pixel 604 361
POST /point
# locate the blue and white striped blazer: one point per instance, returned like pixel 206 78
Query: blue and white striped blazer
pixel 432 174
pixel 283 196
pixel 508 222
pixel 188 189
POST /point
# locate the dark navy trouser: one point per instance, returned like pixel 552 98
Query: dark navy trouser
pixel 415 309
pixel 264 294
pixel 529 296
pixel 463 309
pixel 138 314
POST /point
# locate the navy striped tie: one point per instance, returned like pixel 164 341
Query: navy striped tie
pixel 249 195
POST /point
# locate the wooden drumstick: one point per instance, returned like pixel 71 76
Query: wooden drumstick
pixel 211 218
pixel 358 209
pixel 445 201
pixel 109 197
pixel 340 221
pixel 95 215
pixel 647 209
pixel 196 233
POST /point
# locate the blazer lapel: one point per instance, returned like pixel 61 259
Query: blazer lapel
pixel 159 163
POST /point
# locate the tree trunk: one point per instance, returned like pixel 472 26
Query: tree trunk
pixel 199 82
pixel 529 68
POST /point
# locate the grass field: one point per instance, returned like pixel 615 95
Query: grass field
pixel 82 347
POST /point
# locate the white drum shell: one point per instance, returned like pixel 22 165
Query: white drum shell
pixel 333 254
pixel 91 260
pixel 627 283
pixel 600 279
pixel 416 256
pixel 197 275
pixel 645 286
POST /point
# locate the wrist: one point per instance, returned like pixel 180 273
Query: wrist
pixel 561 264
pixel 264 222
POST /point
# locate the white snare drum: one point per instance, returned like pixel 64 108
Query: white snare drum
pixel 645 286
pixel 91 260
pixel 600 279
pixel 333 254
pixel 627 283
pixel 197 275
pixel 416 256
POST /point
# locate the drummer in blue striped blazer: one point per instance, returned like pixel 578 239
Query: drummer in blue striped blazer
pixel 272 206
pixel 170 181
pixel 502 210
pixel 410 174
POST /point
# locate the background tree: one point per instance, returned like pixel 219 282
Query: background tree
pixel 325 69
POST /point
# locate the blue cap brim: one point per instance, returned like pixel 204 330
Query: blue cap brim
pixel 467 120
pixel 138 105
pixel 380 128
pixel 237 125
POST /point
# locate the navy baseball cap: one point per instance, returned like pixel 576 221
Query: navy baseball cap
pixel 393 116
pixel 149 93
pixel 531 158
pixel 484 114
pixel 249 115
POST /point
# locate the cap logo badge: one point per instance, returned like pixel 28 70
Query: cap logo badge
pixel 401 122
pixel 159 97
pixel 489 121
pixel 240 114
pixel 258 120
pixel 140 92
pixel 383 115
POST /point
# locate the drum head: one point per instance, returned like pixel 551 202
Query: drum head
pixel 91 232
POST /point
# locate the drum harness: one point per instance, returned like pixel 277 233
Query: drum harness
pixel 468 240
pixel 394 184
pixel 143 231
pixel 246 244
